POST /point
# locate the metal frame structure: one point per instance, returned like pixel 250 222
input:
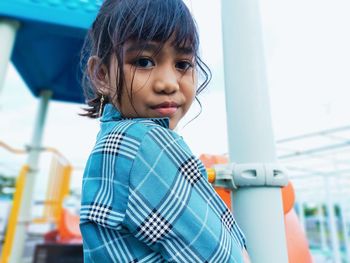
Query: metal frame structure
pixel 319 167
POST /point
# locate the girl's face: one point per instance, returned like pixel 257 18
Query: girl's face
pixel 156 85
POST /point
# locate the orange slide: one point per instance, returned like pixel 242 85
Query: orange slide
pixel 297 245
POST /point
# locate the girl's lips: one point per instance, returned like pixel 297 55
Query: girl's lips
pixel 166 109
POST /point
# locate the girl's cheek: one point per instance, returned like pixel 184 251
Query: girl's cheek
pixel 141 86
pixel 138 80
pixel 195 76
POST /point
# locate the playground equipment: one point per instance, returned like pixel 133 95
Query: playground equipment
pixel 57 253
pixel 9 237
pixel 54 29
pixel 297 245
pixel 67 224
pixel 8 30
pixel 209 161
pixel 67 231
pixel 36 31
pixel 320 173
pixel 250 136
pixel 57 190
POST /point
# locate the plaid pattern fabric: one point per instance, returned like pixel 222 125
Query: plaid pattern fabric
pixel 145 198
pixel 154 228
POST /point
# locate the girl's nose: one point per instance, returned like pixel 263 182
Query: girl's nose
pixel 166 82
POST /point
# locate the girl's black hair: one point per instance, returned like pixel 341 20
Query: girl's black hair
pixel 140 20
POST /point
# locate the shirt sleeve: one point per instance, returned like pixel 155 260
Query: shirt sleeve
pixel 105 189
pixel 173 209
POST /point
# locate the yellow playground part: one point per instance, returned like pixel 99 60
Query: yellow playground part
pixel 57 190
pixel 6 251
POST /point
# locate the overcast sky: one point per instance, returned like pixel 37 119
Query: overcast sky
pixel 307 60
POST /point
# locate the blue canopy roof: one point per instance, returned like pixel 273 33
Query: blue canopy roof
pixel 48 43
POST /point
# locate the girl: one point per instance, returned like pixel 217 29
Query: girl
pixel 145 197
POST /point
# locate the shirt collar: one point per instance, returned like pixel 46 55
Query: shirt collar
pixel 110 113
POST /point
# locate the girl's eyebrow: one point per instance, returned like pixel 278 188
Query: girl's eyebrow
pixel 153 47
pixel 141 46
pixel 184 50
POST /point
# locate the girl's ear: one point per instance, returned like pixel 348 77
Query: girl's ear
pixel 98 73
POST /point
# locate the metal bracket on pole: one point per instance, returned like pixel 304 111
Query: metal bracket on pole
pixel 234 175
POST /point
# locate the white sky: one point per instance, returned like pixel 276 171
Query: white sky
pixel 308 63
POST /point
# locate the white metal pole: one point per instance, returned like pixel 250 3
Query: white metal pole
pixel 332 220
pixel 8 29
pixel 321 220
pixel 27 197
pixel 258 210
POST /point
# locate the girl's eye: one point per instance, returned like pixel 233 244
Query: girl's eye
pixel 183 65
pixel 144 63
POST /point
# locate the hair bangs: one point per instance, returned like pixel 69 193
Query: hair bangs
pixel 158 21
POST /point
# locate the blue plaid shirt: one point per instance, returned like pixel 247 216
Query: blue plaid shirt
pixel 146 198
